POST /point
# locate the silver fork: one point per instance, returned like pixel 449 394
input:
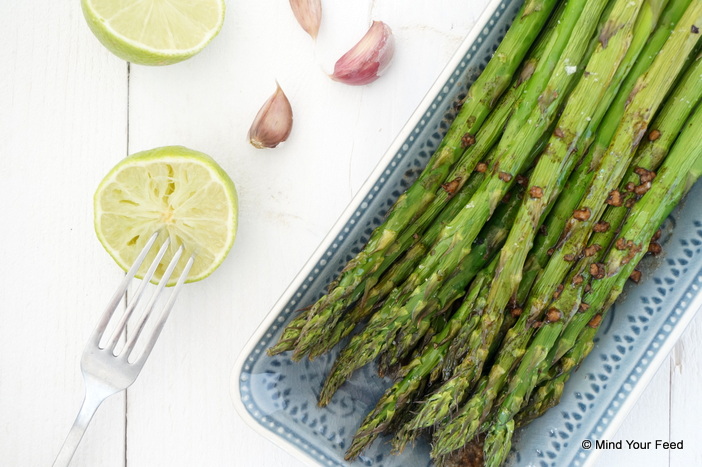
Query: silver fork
pixel 108 370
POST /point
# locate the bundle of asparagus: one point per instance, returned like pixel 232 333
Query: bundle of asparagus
pixel 481 296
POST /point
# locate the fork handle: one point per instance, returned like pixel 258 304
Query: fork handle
pixel 91 402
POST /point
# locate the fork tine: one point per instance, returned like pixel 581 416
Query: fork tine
pixel 121 289
pixel 129 346
pixel 166 312
pixel 119 329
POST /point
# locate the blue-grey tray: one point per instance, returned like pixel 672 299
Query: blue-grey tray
pixel 277 397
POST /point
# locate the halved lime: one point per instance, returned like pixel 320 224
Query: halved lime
pixel 181 193
pixel 154 32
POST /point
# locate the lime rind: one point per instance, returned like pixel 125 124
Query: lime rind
pixel 136 51
pixel 178 192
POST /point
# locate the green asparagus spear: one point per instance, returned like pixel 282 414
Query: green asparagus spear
pixel 453 287
pixel 481 98
pixel 498 445
pixel 558 159
pixel 556 89
pixel 488 242
pixel 403 267
pixel 314 338
pixel 575 241
pixel 448 201
pixel 547 395
pixel 664 130
pixel 290 334
pixel 550 390
pixel 530 120
pixel 454 194
pixel 557 162
pixel 544 95
pixel 651 87
pixel 581 177
pixel 566 204
pixel 403 392
pixel 684 96
pixel 317 339
pixel 666 127
pixel 529 370
pixel 456 237
pixel 466 423
pixel 679 169
pixel 645 100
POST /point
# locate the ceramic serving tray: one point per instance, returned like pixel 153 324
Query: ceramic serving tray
pixel 277 396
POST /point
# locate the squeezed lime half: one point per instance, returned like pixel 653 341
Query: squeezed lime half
pixel 176 191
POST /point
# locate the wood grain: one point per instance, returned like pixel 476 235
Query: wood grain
pixel 63 123
pixel 69 110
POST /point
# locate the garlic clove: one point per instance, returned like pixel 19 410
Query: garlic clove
pixel 309 14
pixel 273 122
pixel 367 60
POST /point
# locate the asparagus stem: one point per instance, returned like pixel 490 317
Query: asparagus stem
pixel 544 397
pixel 498 445
pixel 554 162
pixel 482 97
pixel 613 163
pixel 516 145
pixel 680 169
pixel 454 285
pixel 381 329
pixel 558 159
pixel 610 117
pixel 290 334
pixel 403 268
pixel 646 97
pixel 549 345
pixel 456 237
pixel 403 392
pixel 491 239
pixel 318 341
pixel 466 423
pixel 314 339
pixel 674 11
pixel 667 125
pixel 449 200
pixel 664 130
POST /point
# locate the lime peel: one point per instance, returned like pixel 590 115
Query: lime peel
pixel 154 32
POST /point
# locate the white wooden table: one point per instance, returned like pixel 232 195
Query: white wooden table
pixel 69 110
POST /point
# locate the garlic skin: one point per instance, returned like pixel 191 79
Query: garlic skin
pixel 367 60
pixel 309 14
pixel 273 122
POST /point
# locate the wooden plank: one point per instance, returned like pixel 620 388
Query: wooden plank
pixel 62 126
pixel 685 409
pixel 180 410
